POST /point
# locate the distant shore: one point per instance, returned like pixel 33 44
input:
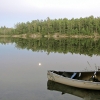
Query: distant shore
pixel 51 36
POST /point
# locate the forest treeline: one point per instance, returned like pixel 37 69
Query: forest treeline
pixel 77 45
pixel 78 26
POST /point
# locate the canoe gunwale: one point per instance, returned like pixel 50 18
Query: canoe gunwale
pixel 75 79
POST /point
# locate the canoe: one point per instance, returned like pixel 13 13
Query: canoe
pixel 86 94
pixel 86 80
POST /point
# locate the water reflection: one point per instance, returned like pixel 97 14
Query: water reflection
pixel 24 64
pixel 82 93
pixel 80 46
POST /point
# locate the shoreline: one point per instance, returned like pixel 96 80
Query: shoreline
pixel 51 36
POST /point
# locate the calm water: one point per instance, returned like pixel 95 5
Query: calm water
pixel 22 78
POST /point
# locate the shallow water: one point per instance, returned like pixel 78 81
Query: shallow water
pixel 22 78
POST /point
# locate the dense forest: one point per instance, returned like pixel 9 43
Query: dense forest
pixel 79 26
pixel 77 45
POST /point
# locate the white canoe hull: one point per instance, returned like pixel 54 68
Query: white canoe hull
pixel 73 82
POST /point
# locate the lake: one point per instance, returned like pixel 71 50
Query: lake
pixel 23 71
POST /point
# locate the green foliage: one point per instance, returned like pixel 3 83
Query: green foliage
pixel 4 30
pixel 79 26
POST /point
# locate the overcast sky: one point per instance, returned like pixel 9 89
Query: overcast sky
pixel 14 11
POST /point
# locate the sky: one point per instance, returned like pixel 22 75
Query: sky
pixel 15 11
